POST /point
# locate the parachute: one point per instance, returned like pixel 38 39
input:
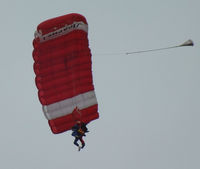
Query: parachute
pixel 63 69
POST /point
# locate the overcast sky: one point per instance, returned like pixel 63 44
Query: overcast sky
pixel 149 103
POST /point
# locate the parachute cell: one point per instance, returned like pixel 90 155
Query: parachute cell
pixel 63 69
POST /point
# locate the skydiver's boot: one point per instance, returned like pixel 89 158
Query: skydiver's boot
pixel 79 148
pixel 83 145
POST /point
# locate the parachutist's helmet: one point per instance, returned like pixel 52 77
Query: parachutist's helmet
pixel 78 122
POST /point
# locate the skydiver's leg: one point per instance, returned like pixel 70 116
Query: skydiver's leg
pixel 82 142
pixel 76 141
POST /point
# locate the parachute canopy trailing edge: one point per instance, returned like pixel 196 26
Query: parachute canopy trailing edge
pixel 63 69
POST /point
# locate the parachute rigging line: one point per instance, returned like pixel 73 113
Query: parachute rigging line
pixel 187 43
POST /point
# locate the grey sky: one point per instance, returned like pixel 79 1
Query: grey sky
pixel 149 103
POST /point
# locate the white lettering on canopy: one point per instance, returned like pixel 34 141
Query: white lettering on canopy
pixel 62 31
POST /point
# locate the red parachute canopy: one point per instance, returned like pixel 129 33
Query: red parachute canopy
pixel 63 68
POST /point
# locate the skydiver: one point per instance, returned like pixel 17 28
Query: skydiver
pixel 78 131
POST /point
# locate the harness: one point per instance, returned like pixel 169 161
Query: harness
pixel 81 131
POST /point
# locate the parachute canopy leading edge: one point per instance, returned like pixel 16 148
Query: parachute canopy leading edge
pixel 63 68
